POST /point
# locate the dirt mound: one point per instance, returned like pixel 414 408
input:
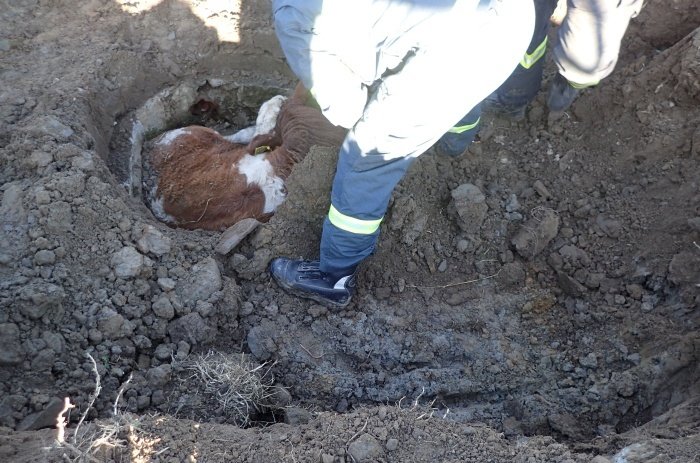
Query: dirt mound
pixel 534 300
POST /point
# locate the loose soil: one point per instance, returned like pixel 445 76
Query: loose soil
pixel 536 299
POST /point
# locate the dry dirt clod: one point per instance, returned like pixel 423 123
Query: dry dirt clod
pixel 536 233
pixel 365 448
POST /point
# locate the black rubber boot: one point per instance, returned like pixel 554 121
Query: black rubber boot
pixel 305 279
pixel 561 95
pixel 515 113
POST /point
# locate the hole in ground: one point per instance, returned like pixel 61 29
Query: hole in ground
pixel 225 106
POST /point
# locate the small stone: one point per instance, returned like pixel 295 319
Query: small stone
pixel 39 159
pixel 95 336
pixel 11 352
pixel 83 162
pixel 326 458
pixel 203 280
pixel 183 349
pixel 60 219
pixel 142 342
pixel 694 223
pixel 163 308
pixel 685 268
pixel 153 241
pixel 541 190
pixel 281 396
pixel 166 284
pixel 127 262
pixel 54 341
pixel 536 233
pixel 296 416
pixel 247 308
pixel 204 308
pixel 190 328
pixel 463 245
pixel 365 448
pixel 512 274
pixel 624 383
pixel 512 205
pixel 44 360
pixel 44 257
pixel 589 361
pixel 110 323
pixel 158 397
pixel 159 376
pixel 392 444
pixel 42 197
pixel 609 226
pixel 569 285
pixel 163 352
pixel 49 125
pixel 40 298
pixel 600 459
pixel 565 424
pixel 260 343
pixel 469 207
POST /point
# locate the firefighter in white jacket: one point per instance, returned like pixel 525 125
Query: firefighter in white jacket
pixel 387 71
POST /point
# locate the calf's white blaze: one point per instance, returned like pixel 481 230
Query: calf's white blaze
pixel 259 171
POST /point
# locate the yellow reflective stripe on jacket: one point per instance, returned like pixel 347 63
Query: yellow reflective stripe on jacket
pixel 351 224
pixel 464 128
pixel 531 58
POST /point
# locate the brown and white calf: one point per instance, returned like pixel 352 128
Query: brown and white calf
pixel 204 180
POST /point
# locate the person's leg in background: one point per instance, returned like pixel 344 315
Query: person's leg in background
pixel 588 45
pixel 516 93
pixel 456 140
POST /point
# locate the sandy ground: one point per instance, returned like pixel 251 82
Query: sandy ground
pixel 564 327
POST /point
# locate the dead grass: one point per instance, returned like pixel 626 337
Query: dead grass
pixel 239 386
pixel 102 441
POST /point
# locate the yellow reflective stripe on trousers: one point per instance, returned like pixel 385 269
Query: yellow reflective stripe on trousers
pixel 464 128
pixel 531 58
pixel 582 86
pixel 351 224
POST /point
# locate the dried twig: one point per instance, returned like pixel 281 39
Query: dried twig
pixel 203 212
pixel 476 280
pixel 415 402
pixel 358 432
pixel 61 421
pixel 95 393
pixel 121 392
pixel 309 352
